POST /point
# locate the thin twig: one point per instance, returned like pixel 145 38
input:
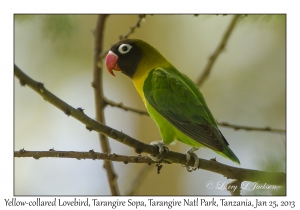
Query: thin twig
pixel 217 52
pixel 250 128
pixel 126 108
pixel 224 124
pixel 125 36
pixel 100 102
pixel 273 178
pixel 132 28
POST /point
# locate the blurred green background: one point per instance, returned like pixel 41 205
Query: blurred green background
pixel 247 86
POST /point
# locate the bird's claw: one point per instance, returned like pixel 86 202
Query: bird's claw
pixel 189 153
pixel 161 148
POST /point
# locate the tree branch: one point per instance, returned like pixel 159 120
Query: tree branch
pixel 83 155
pixel 217 52
pixel 132 28
pixel 126 108
pixel 273 178
pixel 100 102
pixel 250 128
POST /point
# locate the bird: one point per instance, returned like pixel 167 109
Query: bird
pixel 171 98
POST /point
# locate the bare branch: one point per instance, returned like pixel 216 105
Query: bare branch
pixel 83 155
pixel 250 128
pixel 125 36
pixel 126 108
pixel 100 102
pixel 272 178
pixel 132 28
pixel 217 52
pixel 275 178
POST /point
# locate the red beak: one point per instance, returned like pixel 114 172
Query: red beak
pixel 111 62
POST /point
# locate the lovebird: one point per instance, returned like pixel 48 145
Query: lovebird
pixel 172 99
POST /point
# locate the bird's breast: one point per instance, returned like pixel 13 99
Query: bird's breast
pixel 138 82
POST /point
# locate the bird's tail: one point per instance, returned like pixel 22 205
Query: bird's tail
pixel 227 152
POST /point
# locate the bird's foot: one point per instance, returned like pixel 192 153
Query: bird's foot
pixel 189 153
pixel 161 148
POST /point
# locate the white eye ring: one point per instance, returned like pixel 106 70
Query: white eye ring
pixel 124 48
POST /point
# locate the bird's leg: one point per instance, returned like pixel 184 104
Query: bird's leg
pixel 161 148
pixel 189 153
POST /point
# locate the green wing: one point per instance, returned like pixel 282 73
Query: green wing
pixel 177 98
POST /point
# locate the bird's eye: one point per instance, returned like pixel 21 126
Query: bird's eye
pixel 124 48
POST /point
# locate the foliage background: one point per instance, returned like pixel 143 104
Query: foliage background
pixel 246 87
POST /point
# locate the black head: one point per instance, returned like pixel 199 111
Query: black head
pixel 128 54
